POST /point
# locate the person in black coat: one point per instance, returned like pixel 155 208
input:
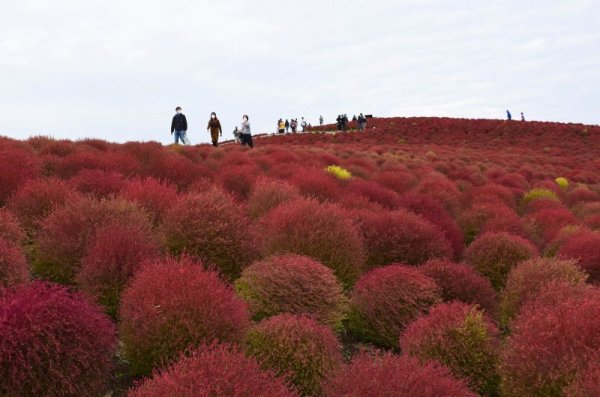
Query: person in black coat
pixel 179 126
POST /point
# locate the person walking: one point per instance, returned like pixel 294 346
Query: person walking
pixel 362 122
pixel 321 121
pixel 294 125
pixel 245 132
pixel 287 126
pixel 508 116
pixel 281 126
pixel 179 127
pixel 214 126
pixel 303 125
pixel 522 117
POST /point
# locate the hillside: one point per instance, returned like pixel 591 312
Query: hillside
pixel 281 270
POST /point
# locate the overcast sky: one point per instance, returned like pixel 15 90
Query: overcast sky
pixel 117 69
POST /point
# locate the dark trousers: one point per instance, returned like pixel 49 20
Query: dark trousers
pixel 246 139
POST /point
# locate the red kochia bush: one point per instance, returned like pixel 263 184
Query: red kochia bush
pixel 387 299
pixel 65 233
pixel 374 192
pixel 400 236
pixel 527 279
pixel 36 199
pixel 13 266
pixel 98 182
pixel 460 282
pixel 316 183
pixel 10 229
pixel 585 248
pixel 552 340
pixel 212 227
pixel 297 348
pixel 390 375
pixel 322 231
pixel 268 194
pixel 16 166
pixel 112 257
pixel 460 337
pixel 292 284
pixel 494 254
pixel 587 383
pixel 153 195
pixel 53 343
pixel 213 371
pixel 171 305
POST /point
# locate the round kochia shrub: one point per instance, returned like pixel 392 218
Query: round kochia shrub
pixel 268 194
pixel 154 196
pixel 387 299
pixel 13 266
pixel 400 236
pixel 494 254
pixel 215 371
pixel 111 258
pixel 296 347
pixel 528 278
pixel 322 231
pixel 555 337
pixel 587 383
pixel 37 198
pixel 65 233
pixel 16 166
pixel 10 229
pixel 585 248
pixel 212 227
pixel 391 375
pixel 460 337
pixel 172 305
pixel 53 343
pixel 460 282
pixel 292 284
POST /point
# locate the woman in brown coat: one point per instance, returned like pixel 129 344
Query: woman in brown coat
pixel 214 126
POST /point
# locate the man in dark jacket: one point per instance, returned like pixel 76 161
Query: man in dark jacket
pixel 179 126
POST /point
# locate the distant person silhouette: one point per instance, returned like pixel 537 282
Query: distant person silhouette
pixel 179 127
pixel 245 132
pixel 294 125
pixel 321 121
pixel 508 116
pixel 280 126
pixel 214 126
pixel 287 126
pixel 362 122
pixel 304 124
pixel 522 117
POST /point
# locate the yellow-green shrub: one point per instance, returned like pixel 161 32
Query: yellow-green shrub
pixel 539 193
pixel 339 172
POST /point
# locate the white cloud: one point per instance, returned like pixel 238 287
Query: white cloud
pixel 116 70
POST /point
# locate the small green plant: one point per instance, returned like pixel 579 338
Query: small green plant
pixel 339 172
pixel 539 193
pixel 562 182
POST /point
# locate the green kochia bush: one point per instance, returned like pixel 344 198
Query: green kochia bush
pixel 459 336
pixel 296 347
pixel 387 299
pixel 215 371
pixel 292 284
pixel 172 305
pixel 53 343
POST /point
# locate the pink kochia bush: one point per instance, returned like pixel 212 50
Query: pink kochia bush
pixel 555 337
pixel 16 166
pixel 37 198
pixel 587 383
pixel 292 284
pixel 53 343
pixel 268 194
pixel 460 282
pixel 387 299
pixel 171 305
pixel 112 257
pixel 460 337
pixel 528 278
pixel 388 375
pixel 154 196
pixel 10 229
pixel 295 347
pixel 400 236
pixel 322 231
pixel 66 232
pixel 212 227
pixel 13 266
pixel 494 254
pixel 585 248
pixel 215 371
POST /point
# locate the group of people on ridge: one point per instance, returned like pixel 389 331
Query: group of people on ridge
pixel 509 116
pixel 293 125
pixel 179 127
